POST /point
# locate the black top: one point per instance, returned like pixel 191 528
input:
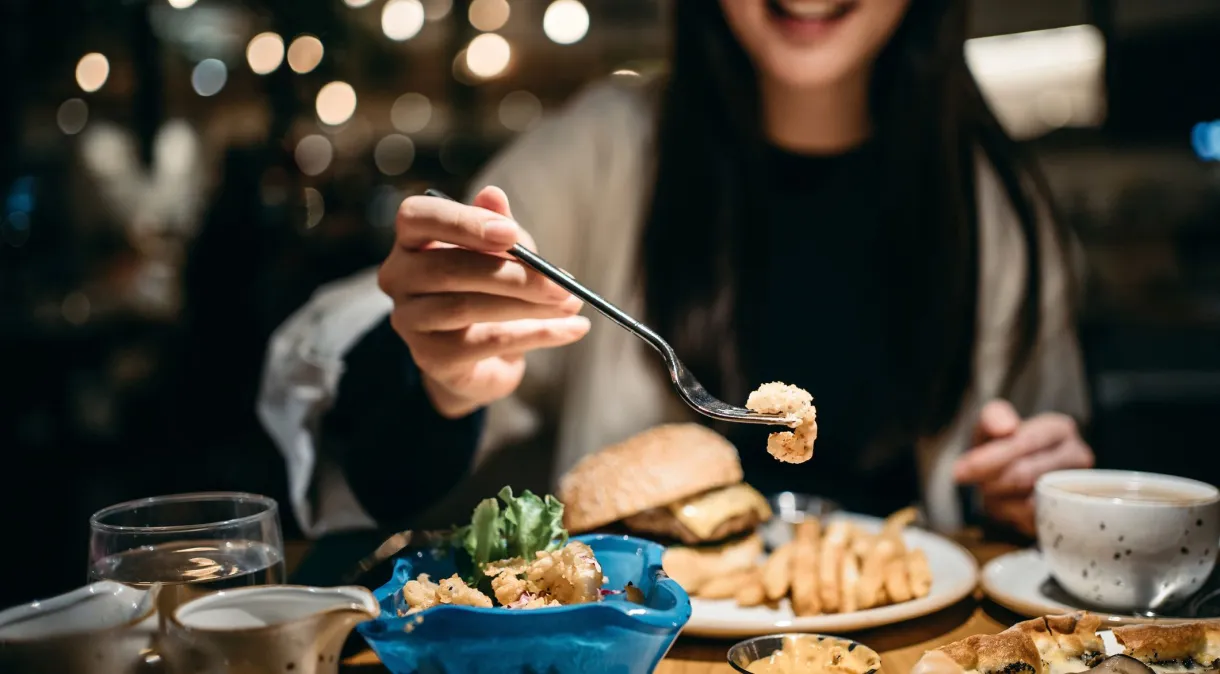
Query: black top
pixel 817 322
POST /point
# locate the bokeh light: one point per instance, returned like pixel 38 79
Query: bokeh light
pixel 304 54
pixel 265 53
pixel 1205 138
pixel 435 10
pixel 336 103
pixel 411 113
pixel 209 77
pixel 313 154
pixel 357 3
pixel 105 149
pixel 566 21
pixel 181 4
pixel 488 55
pixel 625 72
pixel 315 207
pixel 176 148
pixel 461 72
pixel 488 15
pixel 72 116
pixel 92 71
pixel 519 110
pixel 394 154
pixel 402 19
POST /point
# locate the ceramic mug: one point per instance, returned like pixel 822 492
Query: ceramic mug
pixel 1127 541
pixel 103 628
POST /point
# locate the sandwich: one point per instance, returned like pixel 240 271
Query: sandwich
pixel 678 484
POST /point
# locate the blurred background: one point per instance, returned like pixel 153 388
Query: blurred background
pixel 177 176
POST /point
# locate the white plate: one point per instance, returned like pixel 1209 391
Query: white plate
pixel 1017 581
pixel 954 576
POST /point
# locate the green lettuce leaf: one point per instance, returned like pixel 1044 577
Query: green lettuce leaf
pixel 484 538
pixel 526 525
pixel 532 524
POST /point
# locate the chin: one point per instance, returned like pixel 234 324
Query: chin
pixel 808 71
pixel 810 43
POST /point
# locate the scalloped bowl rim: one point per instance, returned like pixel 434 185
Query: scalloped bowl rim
pixel 675 617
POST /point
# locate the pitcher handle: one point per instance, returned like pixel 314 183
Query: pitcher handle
pixel 153 663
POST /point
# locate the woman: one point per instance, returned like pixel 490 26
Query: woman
pixel 816 193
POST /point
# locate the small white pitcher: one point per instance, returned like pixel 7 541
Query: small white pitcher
pixel 103 628
pixel 273 628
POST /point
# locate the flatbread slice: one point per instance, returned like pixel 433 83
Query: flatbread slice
pixel 1172 649
pixel 1077 644
pixel 1009 652
pixel 1070 644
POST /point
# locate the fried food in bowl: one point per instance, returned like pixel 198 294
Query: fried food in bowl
pixel 513 592
pixel 802 654
pixel 627 631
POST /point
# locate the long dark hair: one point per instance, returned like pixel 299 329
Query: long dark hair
pixel 929 121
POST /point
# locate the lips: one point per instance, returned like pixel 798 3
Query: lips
pixel 811 10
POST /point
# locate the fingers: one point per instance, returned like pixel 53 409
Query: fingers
pixel 455 270
pixel 997 419
pixel 1019 477
pixel 422 220
pixel 453 311
pixel 986 461
pixel 446 356
pixel 493 199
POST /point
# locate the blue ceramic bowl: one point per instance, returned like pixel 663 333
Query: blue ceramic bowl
pixel 613 636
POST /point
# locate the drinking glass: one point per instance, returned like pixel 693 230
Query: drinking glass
pixel 191 544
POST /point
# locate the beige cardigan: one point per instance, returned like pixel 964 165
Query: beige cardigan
pixel 578 182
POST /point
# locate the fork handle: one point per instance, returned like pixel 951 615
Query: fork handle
pixel 569 283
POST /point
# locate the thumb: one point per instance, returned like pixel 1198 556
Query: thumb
pixel 493 199
pixel 997 419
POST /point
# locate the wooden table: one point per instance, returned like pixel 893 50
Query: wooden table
pixel 900 645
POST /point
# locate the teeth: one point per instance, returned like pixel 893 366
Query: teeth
pixel 811 9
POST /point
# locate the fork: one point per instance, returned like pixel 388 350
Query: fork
pixel 688 388
pixel 390 547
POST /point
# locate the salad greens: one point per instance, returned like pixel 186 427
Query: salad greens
pixel 526 525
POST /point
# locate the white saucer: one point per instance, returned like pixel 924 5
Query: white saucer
pixel 1018 582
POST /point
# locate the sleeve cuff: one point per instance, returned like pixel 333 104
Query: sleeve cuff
pixel 398 453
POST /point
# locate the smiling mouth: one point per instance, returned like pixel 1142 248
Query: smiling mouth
pixel 810 10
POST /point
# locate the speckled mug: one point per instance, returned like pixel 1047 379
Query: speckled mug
pixel 1125 554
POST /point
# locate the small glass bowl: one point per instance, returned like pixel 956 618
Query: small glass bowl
pixel 743 653
pixel 791 508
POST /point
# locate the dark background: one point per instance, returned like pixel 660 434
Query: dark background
pixel 130 360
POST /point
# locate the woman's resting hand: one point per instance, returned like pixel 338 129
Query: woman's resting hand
pixel 1010 454
pixel 467 310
